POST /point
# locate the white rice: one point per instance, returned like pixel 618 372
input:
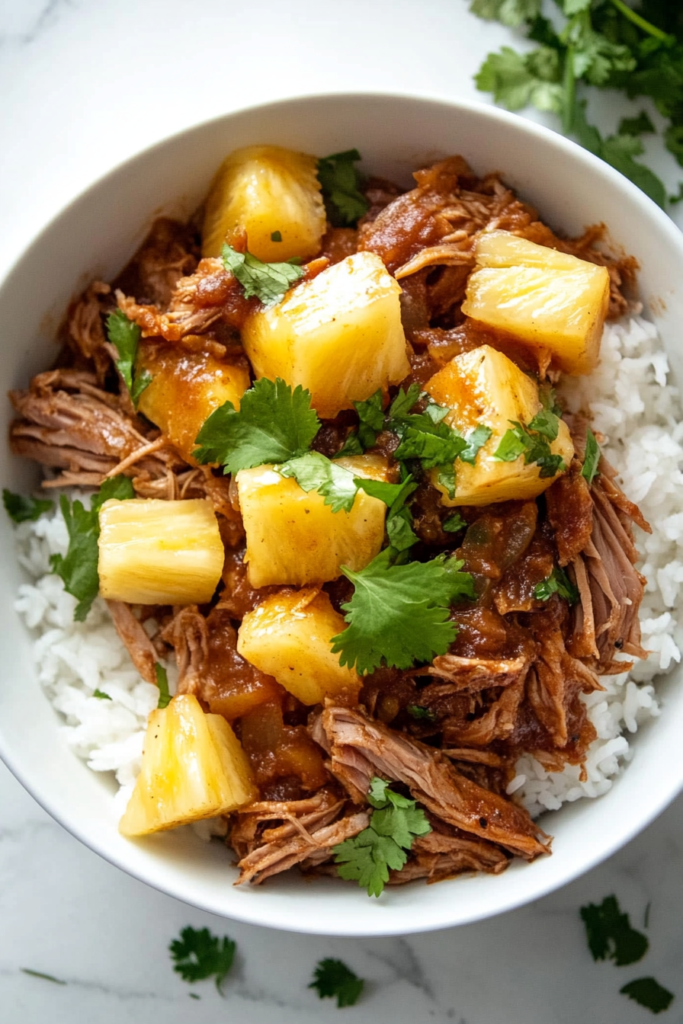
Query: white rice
pixel 639 414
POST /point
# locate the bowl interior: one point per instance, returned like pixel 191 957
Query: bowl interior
pixel 95 236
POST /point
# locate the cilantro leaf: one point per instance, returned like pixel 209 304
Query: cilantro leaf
pixel 314 471
pixel 557 583
pixel 371 416
pixel 508 12
pixel 162 683
pixel 274 424
pixel 454 523
pixel 476 440
pixel 101 695
pixel 351 446
pixel 404 402
pixel 24 509
pixel 591 457
pixel 399 614
pixel 432 442
pixel 640 125
pixel 532 443
pixel 419 713
pixel 78 568
pixel 517 80
pixel 649 993
pixel 267 281
pixel 198 954
pixel 368 857
pixel 334 980
pixel 340 183
pixel 276 236
pixel 610 935
pixel 125 336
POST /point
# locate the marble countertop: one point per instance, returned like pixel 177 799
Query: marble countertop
pixel 84 84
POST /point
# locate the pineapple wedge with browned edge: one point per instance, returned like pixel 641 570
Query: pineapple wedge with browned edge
pixel 289 636
pixel 339 335
pixel 294 538
pixel 545 298
pixel 193 767
pixel 275 195
pixel 484 386
pixel 159 552
pixel 186 388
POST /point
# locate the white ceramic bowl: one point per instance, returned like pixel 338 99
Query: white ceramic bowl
pixel 96 235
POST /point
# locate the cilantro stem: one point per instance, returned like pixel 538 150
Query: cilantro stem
pixel 638 20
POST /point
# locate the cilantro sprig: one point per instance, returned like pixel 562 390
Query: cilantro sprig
pixel 591 458
pixel 198 955
pixel 125 336
pixel 381 847
pixel 648 993
pixel 162 683
pixel 78 568
pixel 533 439
pixel 267 281
pixel 23 508
pixel 332 979
pixel 340 182
pixel 600 44
pixel 557 583
pixel 610 935
pixel 399 614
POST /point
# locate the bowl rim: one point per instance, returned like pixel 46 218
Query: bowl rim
pixel 251 912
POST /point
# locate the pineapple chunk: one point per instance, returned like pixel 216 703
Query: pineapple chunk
pixel 186 388
pixel 294 538
pixel 545 298
pixel 266 190
pixel 288 636
pixel 159 552
pixel 339 335
pixel 193 767
pixel 484 386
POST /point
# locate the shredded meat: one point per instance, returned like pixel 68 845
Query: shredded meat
pixel 570 511
pixel 187 633
pixel 437 856
pixel 168 253
pixel 138 644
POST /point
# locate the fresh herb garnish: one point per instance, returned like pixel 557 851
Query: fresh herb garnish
pixel 340 183
pixel 533 440
pixel 421 714
pixel 276 236
pixel 600 44
pixel 41 974
pixel 101 695
pixel 371 417
pixel 125 336
pixel 368 857
pixel 332 979
pixel 267 281
pixel 557 583
pixel 454 523
pixel 610 935
pixel 23 508
pixel 591 457
pixel 198 954
pixel 649 993
pixel 78 568
pixel 162 683
pixel 399 614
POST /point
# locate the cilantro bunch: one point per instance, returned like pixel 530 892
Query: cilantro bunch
pixel 603 44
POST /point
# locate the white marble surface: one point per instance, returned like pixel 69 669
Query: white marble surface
pixel 84 84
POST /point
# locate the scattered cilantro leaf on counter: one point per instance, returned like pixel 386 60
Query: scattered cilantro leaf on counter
pixel 41 974
pixel 454 523
pixel 399 614
pixel 274 424
pixel 591 457
pixel 332 979
pixel 340 182
pixel 162 683
pixel 419 713
pixel 610 935
pixel 557 583
pixel 395 822
pixel 198 955
pixel 125 336
pixel 24 508
pixel 78 568
pixel 101 695
pixel 267 281
pixel 648 993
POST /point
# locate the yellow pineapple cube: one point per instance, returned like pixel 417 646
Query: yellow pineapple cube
pixel 545 298
pixel 269 191
pixel 288 636
pixel 186 387
pixel 193 767
pixel 294 538
pixel 339 335
pixel 484 386
pixel 159 552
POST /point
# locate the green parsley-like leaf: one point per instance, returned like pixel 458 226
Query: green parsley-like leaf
pixel 276 236
pixel 351 446
pixel 371 416
pixel 591 457
pixel 476 440
pixel 404 402
pixel 454 523
pixel 340 183
pixel 332 979
pixel 557 583
pixel 274 424
pixel 267 281
pixel 510 12
pixel 517 80
pixel 25 509
pixel 314 471
pixel 198 954
pixel 162 683
pixel 649 993
pixel 640 125
pixel 101 695
pixel 425 437
pixel 125 336
pixel 78 568
pixel 610 935
pixel 399 614
pixel 533 444
pixel 510 447
pixel 421 714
